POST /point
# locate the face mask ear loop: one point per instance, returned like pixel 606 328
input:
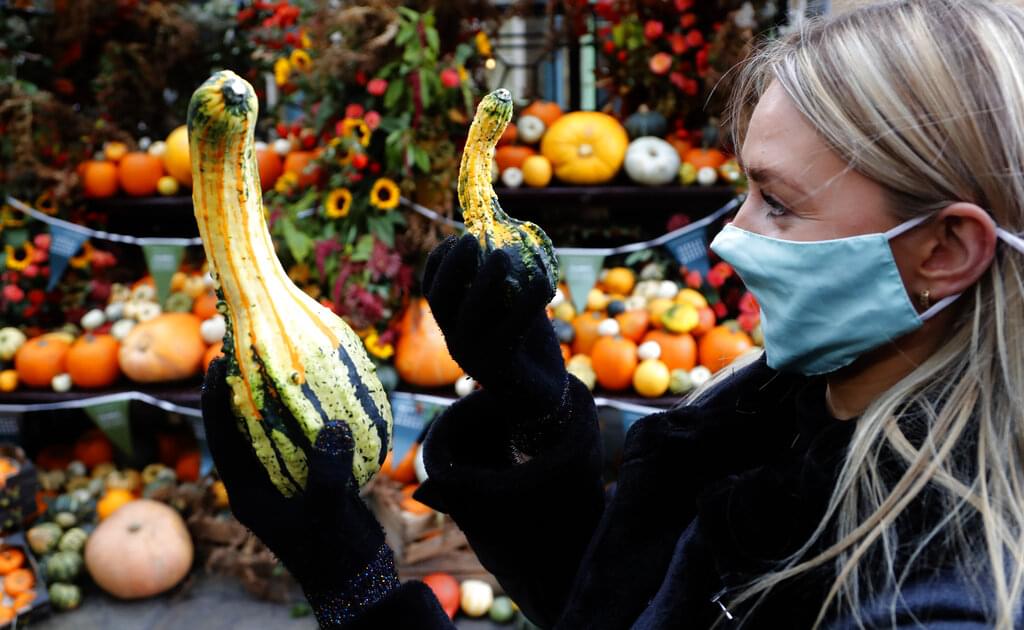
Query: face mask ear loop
pixel 1011 239
pixel 938 306
pixel 905 226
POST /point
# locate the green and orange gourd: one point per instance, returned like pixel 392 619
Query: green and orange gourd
pixel 528 246
pixel 292 364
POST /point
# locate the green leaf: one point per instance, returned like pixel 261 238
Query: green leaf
pixel 364 246
pixel 383 229
pixel 404 36
pixel 421 158
pixel 394 93
pixel 299 244
pixel 425 88
pixel 15 237
pixel 324 113
pixel 433 40
pixel 409 14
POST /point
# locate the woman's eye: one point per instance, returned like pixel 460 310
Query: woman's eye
pixel 775 208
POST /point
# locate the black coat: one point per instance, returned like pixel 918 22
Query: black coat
pixel 708 496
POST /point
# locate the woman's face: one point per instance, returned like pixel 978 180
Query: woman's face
pixel 800 190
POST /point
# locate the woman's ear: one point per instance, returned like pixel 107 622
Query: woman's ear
pixel 958 245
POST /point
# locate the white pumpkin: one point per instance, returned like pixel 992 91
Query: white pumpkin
pixel 648 350
pixel 121 328
pixel 114 311
pixel 476 597
pixel 652 161
pixel 61 383
pixel 608 328
pixel 530 129
pixel 700 375
pixel 212 330
pixel 512 177
pixel 10 340
pixel 464 386
pixel 157 149
pixel 93 319
pixel 707 176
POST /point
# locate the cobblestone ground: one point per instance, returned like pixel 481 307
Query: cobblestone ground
pixel 210 603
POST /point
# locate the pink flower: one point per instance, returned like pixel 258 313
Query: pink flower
pixel 721 310
pixel 450 78
pixel 355 110
pixel 36 297
pixel 377 87
pixel 723 268
pixel 32 271
pixel 13 293
pixel 749 321
pixel 715 278
pixel 372 119
pixel 677 41
pixel 41 241
pixel 653 29
pixel 695 39
pixel 660 63
pixel 40 256
pixel 693 279
pixel 748 303
pixel 683 5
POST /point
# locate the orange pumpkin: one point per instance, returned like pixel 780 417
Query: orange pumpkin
pixel 205 306
pixel 39 360
pixel 633 324
pixel 614 360
pixel 705 157
pixel 722 345
pixel 92 361
pixel 509 136
pixel 99 179
pixel 214 351
pixel 165 348
pixel 547 111
pixel 94 448
pixel 139 172
pixel 585 326
pixel 112 501
pixel 446 590
pixel 421 355
pixel 301 163
pixel 512 155
pixel 705 321
pixel 270 167
pixel 677 351
pixel 405 472
pixel 681 146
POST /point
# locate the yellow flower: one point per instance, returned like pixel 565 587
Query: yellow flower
pixel 81 261
pixel 282 70
pixel 385 194
pixel 286 183
pixel 338 203
pixel 359 126
pixel 301 60
pixel 14 262
pixel 374 347
pixel 305 41
pixel 9 218
pixel 299 273
pixel 46 203
pixel 483 44
pixel 463 75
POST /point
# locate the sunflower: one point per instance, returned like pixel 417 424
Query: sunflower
pixel 282 70
pixel 81 261
pixel 305 41
pixel 341 151
pixel 286 183
pixel 47 203
pixel 16 263
pixel 338 203
pixel 483 44
pixel 359 126
pixel 300 60
pixel 374 346
pixel 385 194
pixel 9 219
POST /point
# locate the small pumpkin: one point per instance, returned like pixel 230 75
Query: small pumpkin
pixel 678 351
pixel 113 500
pixel 705 158
pixel 680 318
pixel 73 540
pixel 722 345
pixel 38 360
pixel 512 156
pixel 8 380
pixel 127 479
pixel 63 566
pixel 421 354
pixel 65 596
pixel 586 326
pixel 476 597
pixel 166 348
pixel 21 580
pixel 646 122
pixel 651 161
pixel 633 324
pixel 531 129
pixel 141 550
pixel 303 165
pixel 585 147
pixel 92 361
pixel 547 111
pixel 446 590
pixel 11 558
pixel 614 360
pixel 23 600
pixel 10 340
pixel 651 378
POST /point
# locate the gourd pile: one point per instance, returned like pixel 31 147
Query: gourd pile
pixel 592 148
pixel 145 169
pixel 134 336
pixel 652 336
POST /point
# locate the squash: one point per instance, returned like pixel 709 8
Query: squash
pixel 44 538
pixel 113 500
pixel 73 540
pixel 10 340
pixel 39 360
pixel 421 354
pixel 651 161
pixel 143 549
pixel 65 596
pixel 528 246
pixel 646 122
pixel 92 361
pixel 167 347
pixel 63 566
pixel 585 147
pixel 293 365
pixel 11 558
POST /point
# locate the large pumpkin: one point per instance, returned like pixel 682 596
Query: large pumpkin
pixel 722 345
pixel 165 348
pixel 421 356
pixel 92 361
pixel 140 550
pixel 585 147
pixel 38 360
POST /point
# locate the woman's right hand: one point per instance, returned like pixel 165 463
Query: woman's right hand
pixel 497 331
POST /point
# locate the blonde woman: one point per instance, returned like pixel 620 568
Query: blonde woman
pixel 865 472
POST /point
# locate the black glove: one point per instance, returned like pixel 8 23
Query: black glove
pixel 492 313
pixel 325 535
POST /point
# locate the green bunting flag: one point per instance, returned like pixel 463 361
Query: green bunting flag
pixel 163 262
pixel 64 244
pixel 113 418
pixel 581 269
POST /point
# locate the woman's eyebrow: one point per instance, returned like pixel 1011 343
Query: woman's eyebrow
pixel 763 174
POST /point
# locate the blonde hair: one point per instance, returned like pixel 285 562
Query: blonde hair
pixel 926 98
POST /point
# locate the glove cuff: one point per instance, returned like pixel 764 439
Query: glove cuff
pixel 336 607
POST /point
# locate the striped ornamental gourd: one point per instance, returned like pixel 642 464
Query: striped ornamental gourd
pixel 292 364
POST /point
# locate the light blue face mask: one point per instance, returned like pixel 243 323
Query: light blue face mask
pixel 825 303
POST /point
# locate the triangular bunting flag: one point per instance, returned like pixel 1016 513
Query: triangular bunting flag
pixel 64 244
pixel 690 250
pixel 113 418
pixel 581 271
pixel 163 261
